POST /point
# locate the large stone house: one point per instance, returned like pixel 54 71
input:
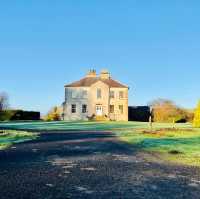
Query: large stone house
pixel 96 97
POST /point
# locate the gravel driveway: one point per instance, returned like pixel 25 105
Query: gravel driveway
pixel 90 165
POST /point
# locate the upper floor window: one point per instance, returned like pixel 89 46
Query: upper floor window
pixel 85 93
pixel 98 93
pixel 73 108
pixel 112 94
pixel 112 108
pixel 121 109
pixel 84 108
pixel 66 94
pixel 121 94
pixel 74 94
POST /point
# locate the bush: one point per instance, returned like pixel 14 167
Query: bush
pixel 167 111
pixel 6 115
pixel 54 114
pixel 196 121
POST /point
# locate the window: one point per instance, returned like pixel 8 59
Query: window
pixel 84 93
pixel 121 109
pixel 121 94
pixel 73 108
pixel 98 93
pixel 66 94
pixel 112 108
pixel 112 94
pixel 74 94
pixel 84 108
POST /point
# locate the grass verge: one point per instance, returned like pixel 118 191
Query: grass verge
pixel 10 137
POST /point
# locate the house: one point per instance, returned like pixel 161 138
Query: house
pixel 96 97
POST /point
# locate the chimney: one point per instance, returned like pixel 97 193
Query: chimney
pixel 91 73
pixel 105 74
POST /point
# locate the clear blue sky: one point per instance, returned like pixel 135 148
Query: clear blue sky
pixel 151 45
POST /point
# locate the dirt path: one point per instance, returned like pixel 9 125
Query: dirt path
pixel 89 165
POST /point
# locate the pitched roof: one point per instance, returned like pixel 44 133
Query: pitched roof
pixel 88 81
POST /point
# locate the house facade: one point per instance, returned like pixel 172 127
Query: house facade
pixel 97 97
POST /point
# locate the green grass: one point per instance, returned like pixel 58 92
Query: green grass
pixel 177 146
pixel 84 126
pixel 10 137
pixel 183 141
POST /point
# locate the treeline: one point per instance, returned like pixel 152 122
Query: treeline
pixel 11 115
pixel 164 110
pixel 7 114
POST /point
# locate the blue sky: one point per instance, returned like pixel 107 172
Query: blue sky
pixel 151 45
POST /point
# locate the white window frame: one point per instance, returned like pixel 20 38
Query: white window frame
pixel 84 108
pixel 73 108
pixel 99 94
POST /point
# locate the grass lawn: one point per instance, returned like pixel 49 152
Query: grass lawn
pixel 84 126
pixel 9 137
pixel 179 145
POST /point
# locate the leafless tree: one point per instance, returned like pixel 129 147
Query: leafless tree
pixel 3 101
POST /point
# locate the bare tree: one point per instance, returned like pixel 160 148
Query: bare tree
pixel 3 101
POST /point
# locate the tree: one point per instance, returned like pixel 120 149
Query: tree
pixel 165 110
pixel 196 121
pixel 54 114
pixel 3 101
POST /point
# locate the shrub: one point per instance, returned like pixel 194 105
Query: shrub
pixel 167 111
pixel 196 121
pixel 54 114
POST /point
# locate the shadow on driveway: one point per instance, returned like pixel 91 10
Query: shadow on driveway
pixel 89 165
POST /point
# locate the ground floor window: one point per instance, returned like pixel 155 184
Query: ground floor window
pixel 112 108
pixel 121 109
pixel 73 108
pixel 84 108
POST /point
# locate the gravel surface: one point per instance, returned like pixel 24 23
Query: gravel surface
pixel 90 165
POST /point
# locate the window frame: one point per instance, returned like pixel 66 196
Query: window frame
pixel 121 94
pixel 112 94
pixel 74 94
pixel 99 93
pixel 121 109
pixel 73 108
pixel 112 110
pixel 85 93
pixel 84 108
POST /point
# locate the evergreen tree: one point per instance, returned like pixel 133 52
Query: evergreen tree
pixel 196 121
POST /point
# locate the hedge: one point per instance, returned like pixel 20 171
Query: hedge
pixel 19 115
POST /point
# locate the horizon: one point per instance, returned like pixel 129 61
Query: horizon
pixel 45 45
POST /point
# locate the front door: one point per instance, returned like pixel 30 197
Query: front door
pixel 99 110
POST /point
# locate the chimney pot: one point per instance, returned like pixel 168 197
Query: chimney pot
pixel 91 73
pixel 105 74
